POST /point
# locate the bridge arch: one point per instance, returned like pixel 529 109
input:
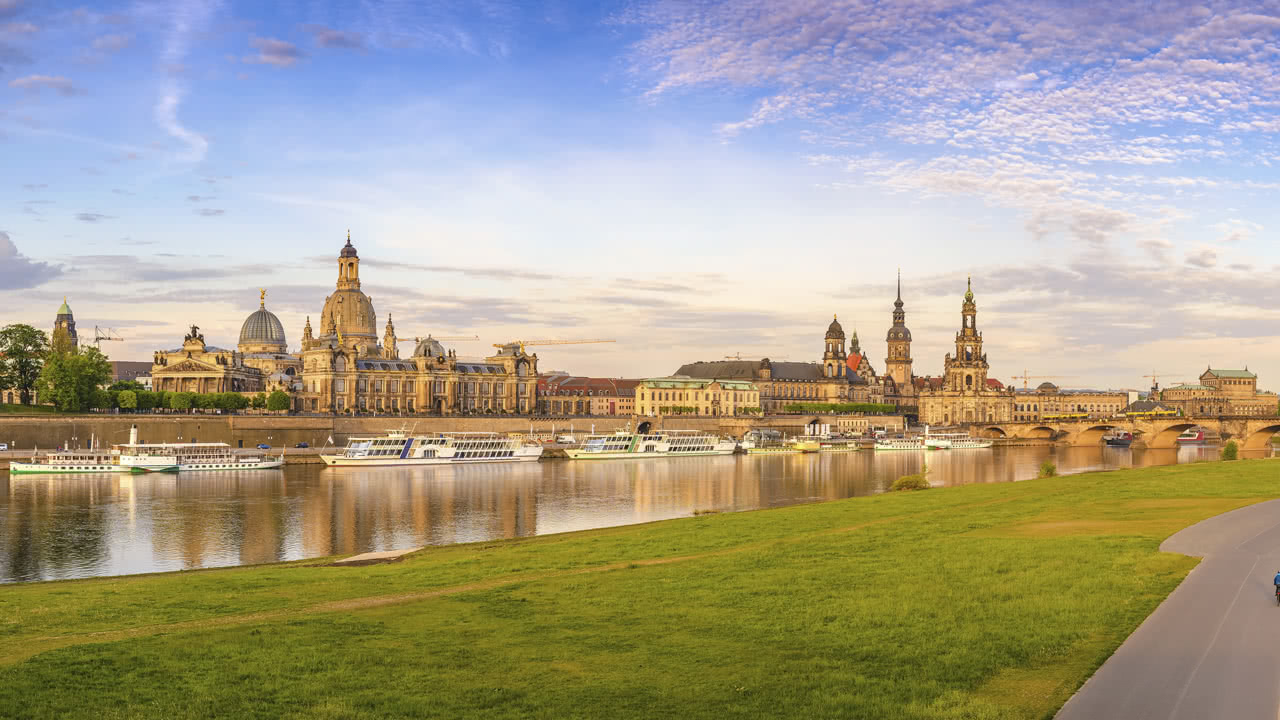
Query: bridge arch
pixel 1167 437
pixel 1091 435
pixel 994 431
pixel 1259 439
pixel 1041 432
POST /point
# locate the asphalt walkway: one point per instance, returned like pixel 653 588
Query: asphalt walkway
pixel 1212 648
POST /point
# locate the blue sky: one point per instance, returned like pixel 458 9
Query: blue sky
pixel 692 179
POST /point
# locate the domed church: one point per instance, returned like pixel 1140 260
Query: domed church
pixel 263 345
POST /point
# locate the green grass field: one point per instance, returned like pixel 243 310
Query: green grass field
pixel 987 601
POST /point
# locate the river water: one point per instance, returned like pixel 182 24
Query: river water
pixel 83 526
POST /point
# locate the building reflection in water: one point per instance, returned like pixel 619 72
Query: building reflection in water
pixel 78 526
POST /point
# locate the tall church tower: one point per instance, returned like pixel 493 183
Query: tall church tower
pixel 64 330
pixel 967 370
pixel 898 365
pixel 389 349
pixel 348 267
pixel 834 358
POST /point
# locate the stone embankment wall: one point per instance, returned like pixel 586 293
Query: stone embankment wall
pixel 25 431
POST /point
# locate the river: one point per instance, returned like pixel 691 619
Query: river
pixel 85 526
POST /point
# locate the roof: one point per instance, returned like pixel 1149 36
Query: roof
pixel 995 384
pixel 834 331
pixel 797 371
pixel 1190 387
pixel 928 382
pixel 64 309
pixel 581 385
pixel 1231 373
pixel 372 364
pixel 1146 406
pixel 744 369
pixel 262 326
pixel 689 382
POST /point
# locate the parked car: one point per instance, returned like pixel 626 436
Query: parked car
pixel 263 446
pixel 4 446
pixel 302 445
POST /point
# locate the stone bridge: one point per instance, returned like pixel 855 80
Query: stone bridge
pixel 1251 432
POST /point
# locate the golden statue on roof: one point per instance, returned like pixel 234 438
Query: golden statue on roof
pixel 262 296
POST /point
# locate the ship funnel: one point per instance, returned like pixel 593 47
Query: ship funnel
pixel 133 434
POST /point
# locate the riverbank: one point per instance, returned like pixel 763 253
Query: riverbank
pixel 980 601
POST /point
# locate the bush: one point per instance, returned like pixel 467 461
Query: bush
pixel 128 399
pixel 259 401
pixel 1230 451
pixel 1048 469
pixel 911 482
pixel 277 401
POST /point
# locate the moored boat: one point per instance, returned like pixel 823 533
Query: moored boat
pixel 69 461
pixel 400 448
pixel 623 445
pixel 912 443
pixel 1118 438
pixel 1192 436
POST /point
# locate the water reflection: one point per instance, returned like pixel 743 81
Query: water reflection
pixel 78 526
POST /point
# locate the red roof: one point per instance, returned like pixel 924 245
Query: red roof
pixel 995 384
pixel 854 361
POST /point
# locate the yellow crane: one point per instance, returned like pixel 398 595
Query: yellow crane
pixel 522 343
pixel 1025 378
pixel 444 337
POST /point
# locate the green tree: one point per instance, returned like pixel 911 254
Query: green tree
pixel 22 352
pixel 128 400
pixel 121 385
pixel 206 401
pixel 69 379
pixel 1230 451
pixel 259 401
pixel 147 400
pixel 278 400
pixel 100 399
pixel 181 400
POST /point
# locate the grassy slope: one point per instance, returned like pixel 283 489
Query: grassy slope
pixel 986 601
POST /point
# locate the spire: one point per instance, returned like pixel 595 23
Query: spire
pixel 968 293
pixel 898 303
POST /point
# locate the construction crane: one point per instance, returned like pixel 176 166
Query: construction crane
pixel 444 337
pixel 738 356
pixel 100 334
pixel 1025 378
pixel 523 343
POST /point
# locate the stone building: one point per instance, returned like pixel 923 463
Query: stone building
pixel 1049 400
pixel 263 345
pixel 201 368
pixel 346 370
pixel 899 387
pixel 964 396
pixel 840 377
pixel 698 396
pixel 64 338
pixel 1221 392
pixel 577 395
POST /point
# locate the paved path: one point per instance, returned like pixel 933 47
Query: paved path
pixel 1212 648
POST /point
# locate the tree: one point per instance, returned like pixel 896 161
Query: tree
pixel 147 400
pixel 69 379
pixel 278 400
pixel 259 401
pixel 128 400
pixel 100 399
pixel 121 385
pixel 22 351
pixel 1230 451
pixel 206 401
pixel 181 400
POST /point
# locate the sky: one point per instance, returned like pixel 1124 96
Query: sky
pixel 692 179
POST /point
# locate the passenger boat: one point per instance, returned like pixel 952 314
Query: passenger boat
pixel 955 441
pixel 70 461
pixel 1118 438
pixel 837 444
pixel 806 445
pixel 887 443
pixel 1192 436
pixel 666 443
pixel 400 448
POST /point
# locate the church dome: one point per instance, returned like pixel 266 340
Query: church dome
pixel 262 327
pixel 834 331
pixel 899 332
pixel 428 347
pixel 348 250
pixel 1046 387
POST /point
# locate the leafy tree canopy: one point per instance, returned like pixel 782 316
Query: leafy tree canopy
pixel 69 379
pixel 278 400
pixel 22 351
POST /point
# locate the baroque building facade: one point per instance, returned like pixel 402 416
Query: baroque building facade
pixel 345 368
pixel 1220 391
pixel 840 377
pixel 964 395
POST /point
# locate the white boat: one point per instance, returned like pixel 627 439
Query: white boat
pixel 913 443
pixel 400 448
pixel 70 461
pixel 666 443
pixel 177 457
pixel 954 441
